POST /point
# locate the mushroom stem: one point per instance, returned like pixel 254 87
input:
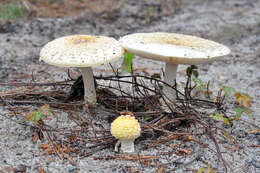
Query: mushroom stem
pixel 170 78
pixel 89 86
pixel 127 146
pixel 117 145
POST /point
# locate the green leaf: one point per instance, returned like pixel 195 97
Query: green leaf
pixel 11 11
pixel 45 109
pixel 192 70
pixel 198 81
pixel 240 111
pixel 201 170
pixel 127 64
pixel 196 73
pixel 22 120
pixel 228 90
pixel 37 116
pixel 220 117
pixel 210 170
pixel 56 1
pixel 188 71
pixel 147 118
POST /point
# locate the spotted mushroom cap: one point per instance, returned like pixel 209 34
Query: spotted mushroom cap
pixel 125 127
pixel 173 48
pixel 81 51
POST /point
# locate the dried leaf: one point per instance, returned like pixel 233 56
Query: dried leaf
pixel 246 101
pixel 29 116
pixel 254 131
pixel 35 137
pixel 160 169
pixel 132 169
pixel 185 151
pixel 239 97
pixel 172 145
pixel 71 138
pixel 190 138
pixel 49 159
pixel 207 92
pixel 70 160
pixel 44 146
pixel 54 136
pixel 40 170
pixel 47 149
pixel 210 170
pixel 156 75
pixel 231 139
pixel 126 113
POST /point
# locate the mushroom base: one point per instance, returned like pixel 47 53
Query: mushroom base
pixel 127 146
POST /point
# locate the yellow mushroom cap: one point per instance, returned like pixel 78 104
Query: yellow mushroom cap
pixel 125 127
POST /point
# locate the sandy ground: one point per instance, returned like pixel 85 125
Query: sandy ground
pixel 235 24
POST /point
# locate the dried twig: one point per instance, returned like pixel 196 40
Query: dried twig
pixel 144 100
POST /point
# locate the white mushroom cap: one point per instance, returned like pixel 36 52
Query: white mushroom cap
pixel 173 48
pixel 81 51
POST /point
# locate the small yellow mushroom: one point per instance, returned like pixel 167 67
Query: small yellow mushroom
pixel 126 129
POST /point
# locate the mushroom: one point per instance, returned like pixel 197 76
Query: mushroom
pixel 82 51
pixel 173 49
pixel 126 129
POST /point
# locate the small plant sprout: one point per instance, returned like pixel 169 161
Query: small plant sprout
pixel 173 49
pixel 126 129
pixel 11 11
pixel 127 64
pixel 35 116
pixel 82 51
pixel 242 101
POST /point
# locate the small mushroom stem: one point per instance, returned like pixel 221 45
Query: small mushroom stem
pixel 89 86
pixel 117 145
pixel 127 146
pixel 170 77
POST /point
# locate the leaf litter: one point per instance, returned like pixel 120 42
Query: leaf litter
pixel 144 100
